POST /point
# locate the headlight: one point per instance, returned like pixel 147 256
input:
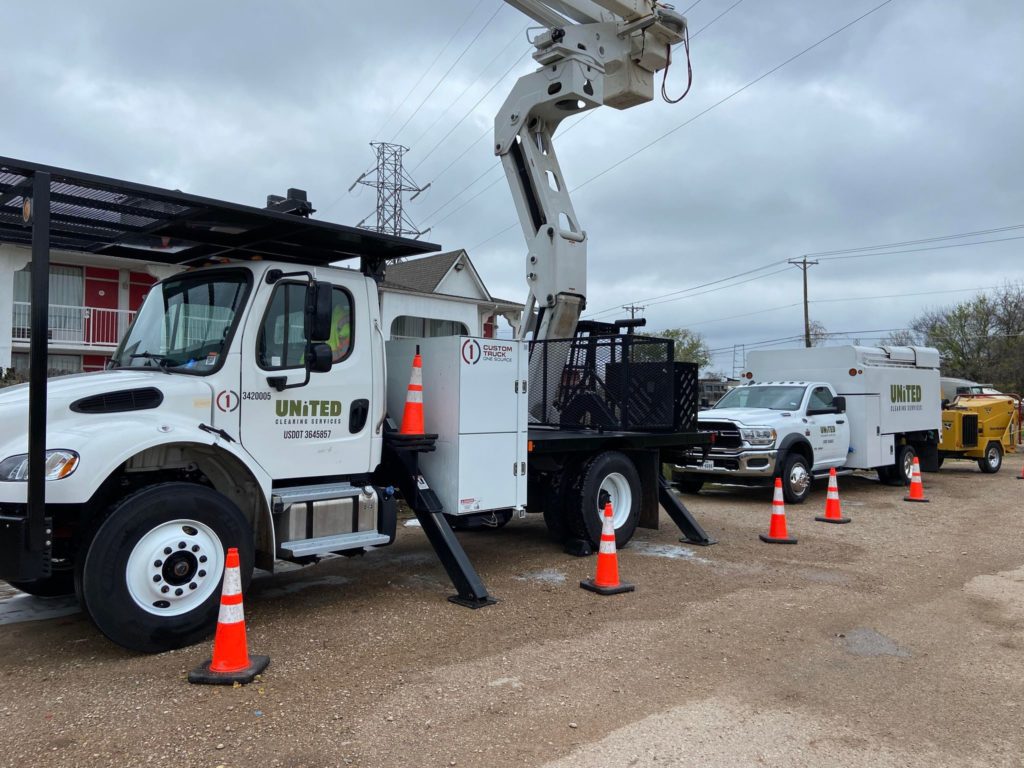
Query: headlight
pixel 758 435
pixel 59 464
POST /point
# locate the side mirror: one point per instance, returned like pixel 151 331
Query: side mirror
pixel 840 403
pixel 318 312
pixel 318 357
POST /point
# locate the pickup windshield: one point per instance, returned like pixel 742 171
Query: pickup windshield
pixel 777 398
pixel 185 323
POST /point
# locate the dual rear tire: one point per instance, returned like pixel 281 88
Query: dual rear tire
pixel 575 509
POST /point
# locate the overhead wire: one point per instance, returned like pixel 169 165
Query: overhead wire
pixel 448 71
pixel 563 133
pixel 653 300
pixel 423 74
pixel 465 90
pixel 708 109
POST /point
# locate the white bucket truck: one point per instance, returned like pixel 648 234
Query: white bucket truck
pixel 804 411
pixel 248 404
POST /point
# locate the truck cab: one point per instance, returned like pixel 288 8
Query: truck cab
pixel 789 429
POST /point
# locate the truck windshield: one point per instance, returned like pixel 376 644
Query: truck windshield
pixel 185 323
pixel 776 398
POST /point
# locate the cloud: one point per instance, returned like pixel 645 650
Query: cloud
pixel 905 126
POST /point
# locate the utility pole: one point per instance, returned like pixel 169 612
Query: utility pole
pixel 804 264
pixel 633 309
pixel 391 182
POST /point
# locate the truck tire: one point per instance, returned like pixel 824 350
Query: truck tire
pixel 992 460
pixel 609 476
pixel 691 487
pixel 58 584
pixel 904 466
pixel 796 479
pixel 687 484
pixel 150 579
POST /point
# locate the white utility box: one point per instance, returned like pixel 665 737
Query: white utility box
pixel 474 399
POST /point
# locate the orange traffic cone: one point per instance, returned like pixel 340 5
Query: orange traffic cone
pixel 231 662
pixel 412 416
pixel 916 486
pixel 833 511
pixel 1021 475
pixel 606 582
pixel 777 527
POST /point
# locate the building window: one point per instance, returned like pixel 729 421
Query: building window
pixel 67 296
pixel 408 327
pixel 56 365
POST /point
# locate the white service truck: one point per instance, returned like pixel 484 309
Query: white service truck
pixel 804 411
pixel 252 401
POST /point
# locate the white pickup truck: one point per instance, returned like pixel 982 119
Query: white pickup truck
pixel 803 411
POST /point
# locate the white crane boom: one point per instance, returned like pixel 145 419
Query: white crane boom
pixel 593 53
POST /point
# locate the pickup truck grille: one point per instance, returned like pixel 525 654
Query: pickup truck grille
pixel 726 434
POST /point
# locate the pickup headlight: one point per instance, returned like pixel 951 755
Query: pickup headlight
pixel 60 463
pixel 758 435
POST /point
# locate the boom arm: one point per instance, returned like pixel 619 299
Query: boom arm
pixel 593 52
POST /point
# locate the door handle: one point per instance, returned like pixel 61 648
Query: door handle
pixel 840 421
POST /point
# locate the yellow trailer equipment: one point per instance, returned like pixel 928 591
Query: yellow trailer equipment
pixel 980 428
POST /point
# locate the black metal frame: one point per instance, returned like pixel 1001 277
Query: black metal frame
pixel 43 206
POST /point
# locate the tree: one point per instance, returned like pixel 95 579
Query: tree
pixel 980 339
pixel 690 346
pixel 904 337
pixel 819 333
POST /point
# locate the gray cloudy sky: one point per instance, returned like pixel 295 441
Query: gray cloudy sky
pixel 904 127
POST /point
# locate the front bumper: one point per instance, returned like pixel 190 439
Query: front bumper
pixel 25 554
pixel 722 464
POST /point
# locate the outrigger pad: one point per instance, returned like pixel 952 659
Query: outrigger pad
pixel 469 602
pixel 203 675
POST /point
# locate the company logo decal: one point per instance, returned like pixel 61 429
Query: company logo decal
pixel 227 401
pixel 905 397
pixel 471 352
pixel 307 411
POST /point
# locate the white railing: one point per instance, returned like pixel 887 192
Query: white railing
pixel 79 326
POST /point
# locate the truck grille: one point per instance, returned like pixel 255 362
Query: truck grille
pixel 726 434
pixel 970 430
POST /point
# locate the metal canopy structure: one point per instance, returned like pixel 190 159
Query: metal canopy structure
pixel 54 208
pixel 95 214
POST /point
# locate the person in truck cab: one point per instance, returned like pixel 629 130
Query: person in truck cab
pixel 341 333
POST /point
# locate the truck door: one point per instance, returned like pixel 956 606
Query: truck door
pixel 321 429
pixel 830 431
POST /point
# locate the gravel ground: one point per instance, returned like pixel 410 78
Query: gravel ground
pixel 893 641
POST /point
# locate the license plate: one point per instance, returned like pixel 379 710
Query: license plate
pixel 709 464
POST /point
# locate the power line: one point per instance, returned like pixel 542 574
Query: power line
pixel 717 104
pixel 450 68
pixel 566 131
pixel 465 90
pixel 838 301
pixel 826 254
pixel 423 74
pixel 652 300
pixel 926 248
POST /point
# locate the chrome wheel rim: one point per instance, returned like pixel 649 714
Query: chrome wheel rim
pixel 799 479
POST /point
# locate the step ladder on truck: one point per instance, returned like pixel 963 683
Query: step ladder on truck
pixel 253 402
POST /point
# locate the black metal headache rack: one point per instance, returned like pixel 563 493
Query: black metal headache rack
pixel 611 382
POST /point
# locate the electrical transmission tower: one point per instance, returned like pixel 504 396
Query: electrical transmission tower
pixel 739 359
pixel 391 182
